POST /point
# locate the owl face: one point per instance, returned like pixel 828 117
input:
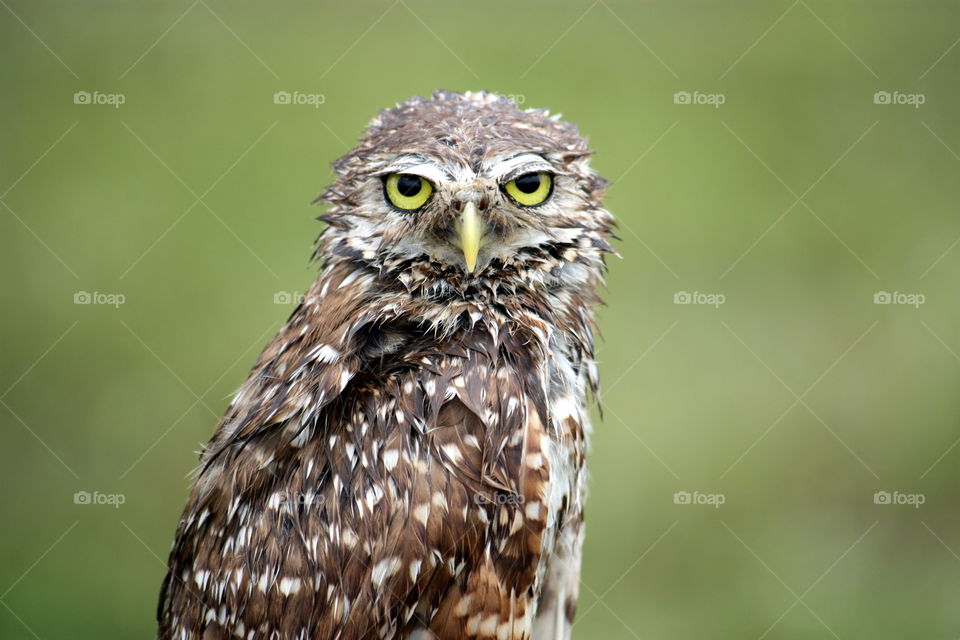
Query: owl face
pixel 464 219
pixel 448 191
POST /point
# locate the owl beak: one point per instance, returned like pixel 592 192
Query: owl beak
pixel 470 229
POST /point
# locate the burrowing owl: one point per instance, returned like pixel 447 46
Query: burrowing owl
pixel 406 459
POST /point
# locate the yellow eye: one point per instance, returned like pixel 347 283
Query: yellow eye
pixel 407 191
pixel 530 189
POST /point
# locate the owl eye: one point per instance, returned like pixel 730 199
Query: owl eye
pixel 530 189
pixel 407 191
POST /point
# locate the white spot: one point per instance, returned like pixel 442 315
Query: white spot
pixel 463 605
pixel 289 585
pixel 489 626
pixel 533 510
pixel 414 569
pixel 349 279
pixel 232 510
pixel 453 452
pixel 473 624
pixel 201 578
pixel 349 538
pixel 505 630
pixel 564 407
pixel 384 569
pixel 326 353
pixel 302 437
pixel 422 512
pixel 274 501
pixel 517 522
pixel 390 458
pixel 373 497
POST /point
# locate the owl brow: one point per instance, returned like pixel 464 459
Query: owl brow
pixel 506 169
pixel 417 164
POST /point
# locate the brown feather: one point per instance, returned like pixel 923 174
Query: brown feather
pixel 406 458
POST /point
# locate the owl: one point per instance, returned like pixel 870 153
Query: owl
pixel 406 458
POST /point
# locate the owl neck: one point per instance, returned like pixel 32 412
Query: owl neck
pixel 561 298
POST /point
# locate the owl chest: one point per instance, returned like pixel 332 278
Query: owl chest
pixel 456 472
pixel 471 443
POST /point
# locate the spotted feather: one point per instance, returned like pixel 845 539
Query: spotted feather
pixel 407 457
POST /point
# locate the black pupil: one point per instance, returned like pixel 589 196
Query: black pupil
pixel 528 183
pixel 408 185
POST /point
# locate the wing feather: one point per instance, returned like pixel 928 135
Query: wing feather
pixel 370 478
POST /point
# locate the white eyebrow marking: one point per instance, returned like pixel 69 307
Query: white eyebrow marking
pixel 421 166
pixel 512 166
pixel 498 169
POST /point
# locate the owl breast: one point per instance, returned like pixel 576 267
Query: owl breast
pixel 431 495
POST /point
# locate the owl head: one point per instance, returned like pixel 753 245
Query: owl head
pixel 464 193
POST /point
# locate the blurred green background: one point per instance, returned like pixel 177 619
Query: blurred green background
pixel 794 202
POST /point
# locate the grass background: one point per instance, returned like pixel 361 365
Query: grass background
pixel 797 200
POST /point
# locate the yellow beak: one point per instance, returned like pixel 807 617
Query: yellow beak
pixel 470 229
